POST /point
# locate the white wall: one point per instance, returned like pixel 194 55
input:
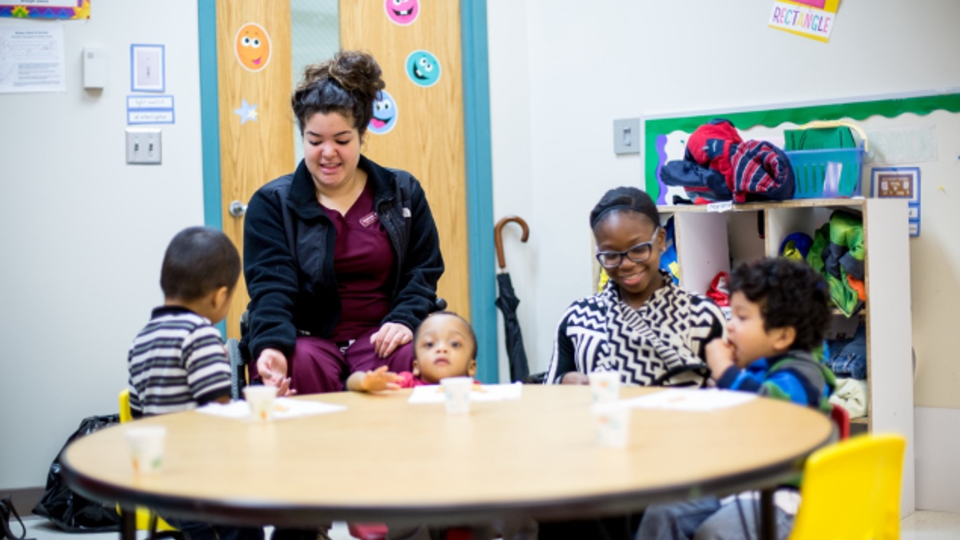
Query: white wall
pixel 937 442
pixel 83 233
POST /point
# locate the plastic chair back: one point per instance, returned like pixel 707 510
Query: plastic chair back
pixel 143 514
pixel 851 491
pixel 841 418
pixel 125 414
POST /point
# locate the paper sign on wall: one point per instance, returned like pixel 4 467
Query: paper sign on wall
pixel 31 57
pixel 150 110
pixel 802 18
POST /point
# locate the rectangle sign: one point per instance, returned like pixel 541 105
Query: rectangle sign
pixel 802 20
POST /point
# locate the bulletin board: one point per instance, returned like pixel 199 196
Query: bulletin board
pixel 664 137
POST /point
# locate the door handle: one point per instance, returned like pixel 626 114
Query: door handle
pixel 237 209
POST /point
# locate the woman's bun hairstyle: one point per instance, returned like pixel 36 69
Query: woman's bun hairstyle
pixel 347 84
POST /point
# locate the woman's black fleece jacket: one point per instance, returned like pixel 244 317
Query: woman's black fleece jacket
pixel 288 246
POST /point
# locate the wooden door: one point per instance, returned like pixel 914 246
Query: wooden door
pixel 254 73
pixel 427 139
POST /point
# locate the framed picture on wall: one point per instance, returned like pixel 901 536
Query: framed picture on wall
pixel 147 71
pixel 896 183
pixel 899 183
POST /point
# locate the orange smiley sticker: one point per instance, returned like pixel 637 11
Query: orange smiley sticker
pixel 252 47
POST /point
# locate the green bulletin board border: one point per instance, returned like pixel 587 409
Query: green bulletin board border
pixel 889 108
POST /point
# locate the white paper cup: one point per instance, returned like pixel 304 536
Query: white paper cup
pixel 457 390
pixel 146 448
pixel 604 386
pixel 260 398
pixel 611 422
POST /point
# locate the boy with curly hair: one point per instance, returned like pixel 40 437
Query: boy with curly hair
pixel 780 314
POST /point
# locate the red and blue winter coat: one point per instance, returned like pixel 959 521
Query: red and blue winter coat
pixel 719 166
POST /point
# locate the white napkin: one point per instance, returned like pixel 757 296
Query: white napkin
pixel 282 408
pixel 690 400
pixel 433 393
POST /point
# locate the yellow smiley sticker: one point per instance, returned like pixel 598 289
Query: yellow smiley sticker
pixel 252 47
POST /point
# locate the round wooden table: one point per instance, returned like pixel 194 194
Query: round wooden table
pixel 385 459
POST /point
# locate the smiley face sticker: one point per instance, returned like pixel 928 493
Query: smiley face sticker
pixel 384 114
pixel 423 68
pixel 402 12
pixel 252 47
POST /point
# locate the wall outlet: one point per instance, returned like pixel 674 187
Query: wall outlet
pixel 143 146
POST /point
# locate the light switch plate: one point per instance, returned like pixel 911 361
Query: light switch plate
pixel 626 136
pixel 143 146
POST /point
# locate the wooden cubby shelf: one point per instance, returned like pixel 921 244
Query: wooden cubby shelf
pixel 715 238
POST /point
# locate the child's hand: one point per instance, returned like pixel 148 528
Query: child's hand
pixel 575 377
pixel 379 379
pixel 720 355
pixel 284 390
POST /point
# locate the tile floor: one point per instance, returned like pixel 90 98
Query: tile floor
pixel 918 526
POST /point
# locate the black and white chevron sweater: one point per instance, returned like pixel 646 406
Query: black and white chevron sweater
pixel 663 342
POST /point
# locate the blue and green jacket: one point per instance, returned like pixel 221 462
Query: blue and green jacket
pixel 796 376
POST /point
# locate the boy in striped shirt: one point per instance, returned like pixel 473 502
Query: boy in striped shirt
pixel 178 361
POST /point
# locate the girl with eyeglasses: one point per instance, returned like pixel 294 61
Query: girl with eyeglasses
pixel 641 324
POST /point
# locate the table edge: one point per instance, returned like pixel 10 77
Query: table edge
pixel 255 512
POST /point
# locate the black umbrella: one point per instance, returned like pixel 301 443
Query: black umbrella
pixel 508 302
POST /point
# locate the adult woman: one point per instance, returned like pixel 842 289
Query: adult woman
pixel 641 325
pixel 342 256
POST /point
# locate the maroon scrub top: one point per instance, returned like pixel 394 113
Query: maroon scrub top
pixel 362 260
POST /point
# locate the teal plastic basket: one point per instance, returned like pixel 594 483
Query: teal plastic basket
pixel 810 170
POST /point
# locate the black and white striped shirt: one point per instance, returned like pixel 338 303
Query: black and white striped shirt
pixel 176 363
pixel 662 342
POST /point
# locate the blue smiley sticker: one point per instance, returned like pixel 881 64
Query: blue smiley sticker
pixel 384 114
pixel 423 68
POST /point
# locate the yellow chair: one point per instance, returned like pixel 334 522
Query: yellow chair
pixel 146 520
pixel 851 491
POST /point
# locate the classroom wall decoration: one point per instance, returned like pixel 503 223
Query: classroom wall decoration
pixel 45 9
pixel 423 68
pixel 246 112
pixel 808 18
pixel 148 68
pixel 402 12
pixel 252 47
pixel 384 114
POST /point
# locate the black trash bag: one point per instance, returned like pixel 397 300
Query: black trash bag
pixel 66 509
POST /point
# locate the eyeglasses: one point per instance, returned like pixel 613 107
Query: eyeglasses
pixel 638 253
